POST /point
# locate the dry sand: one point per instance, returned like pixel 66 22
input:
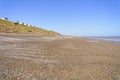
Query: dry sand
pixel 37 57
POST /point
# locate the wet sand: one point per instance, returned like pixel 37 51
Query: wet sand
pixel 38 57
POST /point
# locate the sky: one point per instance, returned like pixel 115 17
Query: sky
pixel 68 17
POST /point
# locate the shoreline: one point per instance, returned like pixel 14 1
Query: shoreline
pixel 29 57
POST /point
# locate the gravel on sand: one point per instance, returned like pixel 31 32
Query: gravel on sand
pixel 38 57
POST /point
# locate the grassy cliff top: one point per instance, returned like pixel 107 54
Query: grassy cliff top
pixel 7 26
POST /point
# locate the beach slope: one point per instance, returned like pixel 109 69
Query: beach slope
pixel 37 57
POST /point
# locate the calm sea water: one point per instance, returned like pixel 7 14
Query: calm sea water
pixel 113 39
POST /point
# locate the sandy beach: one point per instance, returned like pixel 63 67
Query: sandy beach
pixel 38 57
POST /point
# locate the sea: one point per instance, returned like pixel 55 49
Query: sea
pixel 112 39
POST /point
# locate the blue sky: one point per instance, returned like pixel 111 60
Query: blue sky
pixel 69 17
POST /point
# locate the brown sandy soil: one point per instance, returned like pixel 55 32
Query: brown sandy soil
pixel 37 57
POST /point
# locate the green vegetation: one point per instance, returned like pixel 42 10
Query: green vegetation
pixel 7 26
